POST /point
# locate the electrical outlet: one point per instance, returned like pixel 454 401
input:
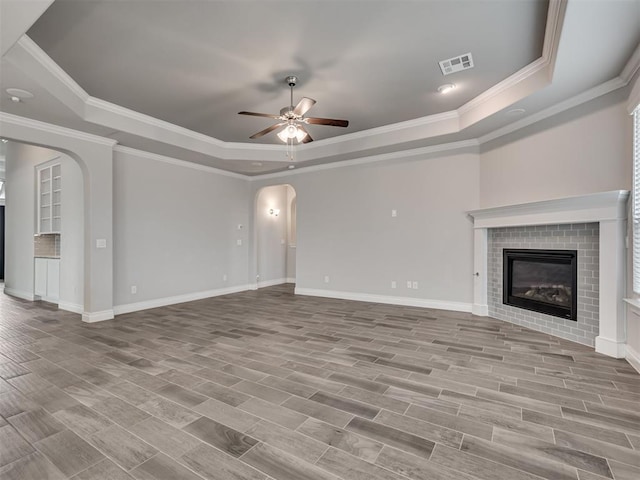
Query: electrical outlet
pixel 239 242
pixel 409 284
pixel 394 213
pixel 326 279
pixel 134 289
pixel 415 285
pixel 224 277
pixel 393 284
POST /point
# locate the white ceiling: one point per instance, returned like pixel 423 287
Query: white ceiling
pixel 195 64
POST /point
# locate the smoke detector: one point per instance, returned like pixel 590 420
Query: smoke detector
pixel 456 64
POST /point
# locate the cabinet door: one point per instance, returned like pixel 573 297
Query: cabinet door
pixel 56 192
pixel 40 277
pixel 53 279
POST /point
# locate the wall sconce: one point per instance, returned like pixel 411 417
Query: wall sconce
pixel 274 211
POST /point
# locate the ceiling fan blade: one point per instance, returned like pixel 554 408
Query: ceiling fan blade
pixel 304 105
pixel 268 115
pixel 307 138
pixel 266 130
pixel 327 121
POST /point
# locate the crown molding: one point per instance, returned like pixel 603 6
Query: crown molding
pixel 175 161
pixel 124 112
pixel 45 60
pixel 385 129
pixel 525 81
pixel 50 128
pixel 545 64
pixel 584 97
pixel 26 53
pixel 630 72
pixel 524 73
pixel 632 66
pixel 452 147
pixel 131 122
pixel 552 33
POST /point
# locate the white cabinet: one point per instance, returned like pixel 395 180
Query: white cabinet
pixel 47 279
pixel 40 276
pixel 49 198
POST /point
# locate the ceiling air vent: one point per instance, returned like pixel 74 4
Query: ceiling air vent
pixel 456 64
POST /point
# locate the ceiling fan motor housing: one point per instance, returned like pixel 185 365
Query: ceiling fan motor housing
pixel 291 80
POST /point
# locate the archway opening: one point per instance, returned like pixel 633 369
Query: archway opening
pixel 44 225
pixel 275 235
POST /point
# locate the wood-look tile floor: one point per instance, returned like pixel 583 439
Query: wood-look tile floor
pixel 268 385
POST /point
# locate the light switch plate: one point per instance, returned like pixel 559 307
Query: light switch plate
pixel 239 242
pixel 101 243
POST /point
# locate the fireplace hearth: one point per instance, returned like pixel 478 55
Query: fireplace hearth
pixel 543 281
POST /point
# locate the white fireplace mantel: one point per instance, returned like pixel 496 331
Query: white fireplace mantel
pixel 609 209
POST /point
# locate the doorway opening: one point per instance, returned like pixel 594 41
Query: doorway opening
pixel 275 228
pixel 44 226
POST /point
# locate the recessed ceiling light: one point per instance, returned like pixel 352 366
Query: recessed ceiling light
pixel 17 94
pixel 256 164
pixel 515 112
pixel 291 167
pixel 446 88
pixel 4 140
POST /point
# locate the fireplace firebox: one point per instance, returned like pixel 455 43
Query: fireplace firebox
pixel 544 281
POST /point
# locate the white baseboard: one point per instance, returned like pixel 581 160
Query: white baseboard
pixel 633 358
pixel 404 301
pixel 271 283
pixel 71 307
pixel 290 280
pixel 187 297
pixel 92 317
pixel 480 310
pixel 53 300
pixel 20 294
pixel 610 347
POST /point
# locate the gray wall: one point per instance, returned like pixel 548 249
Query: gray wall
pixel 584 150
pixel 345 229
pixel 176 229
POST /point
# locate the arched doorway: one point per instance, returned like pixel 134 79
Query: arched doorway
pixel 275 235
pixel 45 256
pixel 94 155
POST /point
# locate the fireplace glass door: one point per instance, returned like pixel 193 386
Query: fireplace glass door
pixel 544 281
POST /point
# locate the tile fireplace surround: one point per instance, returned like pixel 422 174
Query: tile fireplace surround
pixel 609 211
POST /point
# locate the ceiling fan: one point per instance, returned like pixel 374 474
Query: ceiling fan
pixel 293 119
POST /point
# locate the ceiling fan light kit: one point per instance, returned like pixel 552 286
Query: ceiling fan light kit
pixel 290 132
pixel 293 119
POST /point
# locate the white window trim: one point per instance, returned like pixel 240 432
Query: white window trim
pixel 635 209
